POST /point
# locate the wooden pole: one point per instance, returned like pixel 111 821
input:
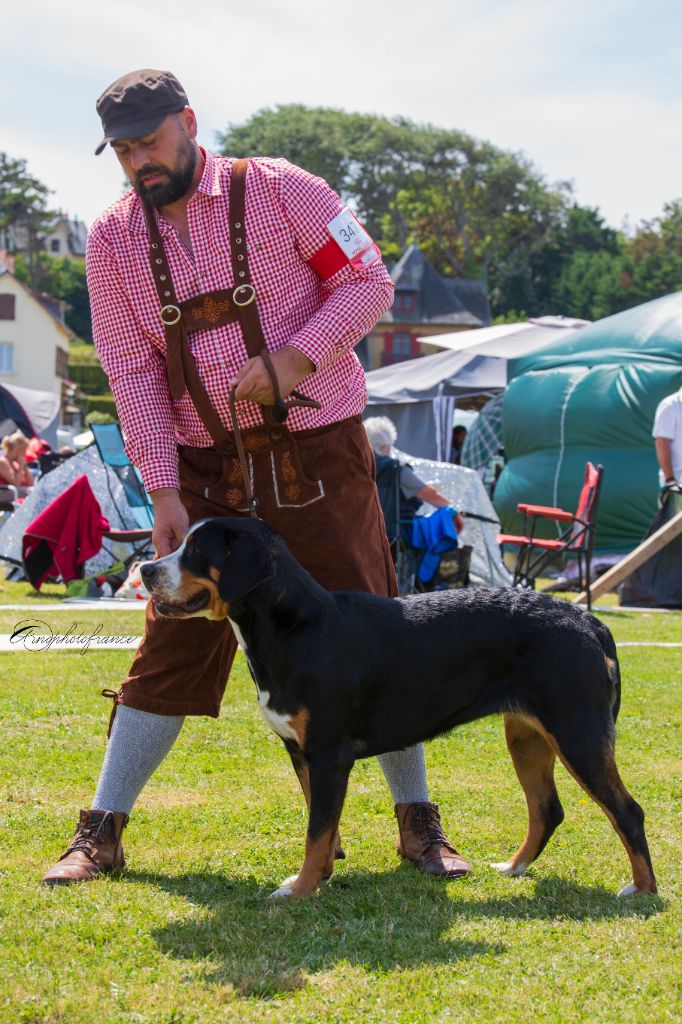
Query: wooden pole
pixel 619 572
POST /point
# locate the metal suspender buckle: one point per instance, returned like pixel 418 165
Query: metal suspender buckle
pixel 170 315
pixel 239 291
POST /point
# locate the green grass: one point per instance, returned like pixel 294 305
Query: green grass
pixel 187 935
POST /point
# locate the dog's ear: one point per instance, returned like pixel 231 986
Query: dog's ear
pixel 248 562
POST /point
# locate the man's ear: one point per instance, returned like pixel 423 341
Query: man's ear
pixel 248 562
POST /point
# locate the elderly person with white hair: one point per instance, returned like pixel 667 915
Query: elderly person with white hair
pixel 382 434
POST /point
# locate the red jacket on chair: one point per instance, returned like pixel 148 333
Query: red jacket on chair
pixel 64 535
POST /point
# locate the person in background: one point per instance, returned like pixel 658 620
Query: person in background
pixel 459 434
pixel 414 491
pixel 667 433
pixel 13 468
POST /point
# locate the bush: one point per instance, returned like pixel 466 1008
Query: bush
pixel 99 417
pixel 90 377
pixel 100 404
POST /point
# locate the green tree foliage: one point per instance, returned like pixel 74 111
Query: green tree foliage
pixel 23 204
pixel 475 210
pixel 65 279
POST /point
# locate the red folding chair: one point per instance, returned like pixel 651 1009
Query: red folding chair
pixel 576 540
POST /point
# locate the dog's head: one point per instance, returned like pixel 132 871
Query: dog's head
pixel 218 562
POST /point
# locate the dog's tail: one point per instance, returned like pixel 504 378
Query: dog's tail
pixel 612 666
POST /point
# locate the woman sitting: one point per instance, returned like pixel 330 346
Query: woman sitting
pixel 13 468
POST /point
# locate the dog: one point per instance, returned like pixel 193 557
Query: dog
pixel 345 675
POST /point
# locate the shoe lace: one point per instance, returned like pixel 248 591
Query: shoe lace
pixel 87 836
pixel 426 821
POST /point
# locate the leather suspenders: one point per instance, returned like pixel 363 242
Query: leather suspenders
pixel 213 309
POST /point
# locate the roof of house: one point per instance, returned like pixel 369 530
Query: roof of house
pixel 440 300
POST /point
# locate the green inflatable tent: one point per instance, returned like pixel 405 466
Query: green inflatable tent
pixel 592 397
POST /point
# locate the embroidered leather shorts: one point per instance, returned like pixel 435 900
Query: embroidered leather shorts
pixel 321 497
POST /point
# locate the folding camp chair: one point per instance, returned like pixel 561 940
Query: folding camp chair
pixel 388 486
pixel 109 441
pixel 419 566
pixel 576 540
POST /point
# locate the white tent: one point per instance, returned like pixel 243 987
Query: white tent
pixel 420 395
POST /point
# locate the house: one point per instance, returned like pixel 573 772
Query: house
pixel 63 236
pixel 33 336
pixel 425 302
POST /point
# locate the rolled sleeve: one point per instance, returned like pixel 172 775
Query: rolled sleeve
pixel 135 369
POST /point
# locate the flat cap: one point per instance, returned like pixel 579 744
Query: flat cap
pixel 137 103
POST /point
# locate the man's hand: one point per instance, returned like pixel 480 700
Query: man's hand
pixel 171 521
pixel 254 383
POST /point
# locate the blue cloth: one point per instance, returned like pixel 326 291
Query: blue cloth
pixel 433 534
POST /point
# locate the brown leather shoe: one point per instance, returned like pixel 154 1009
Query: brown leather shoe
pixel 96 848
pixel 423 841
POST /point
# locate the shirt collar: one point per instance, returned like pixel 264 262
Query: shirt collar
pixel 209 185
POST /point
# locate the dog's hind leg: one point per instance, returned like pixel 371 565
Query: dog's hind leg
pixel 585 747
pixel 533 760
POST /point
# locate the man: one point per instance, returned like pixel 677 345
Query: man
pixel 212 273
pixel 667 433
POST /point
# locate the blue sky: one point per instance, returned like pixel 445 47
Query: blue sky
pixel 591 92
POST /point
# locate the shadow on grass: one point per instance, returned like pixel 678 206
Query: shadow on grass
pixel 265 947
pixel 381 921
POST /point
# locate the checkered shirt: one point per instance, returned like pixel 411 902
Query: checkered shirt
pixel 287 213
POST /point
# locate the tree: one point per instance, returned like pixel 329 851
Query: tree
pixel 655 254
pixel 474 209
pixel 65 279
pixel 23 205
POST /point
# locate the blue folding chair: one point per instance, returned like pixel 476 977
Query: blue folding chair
pixel 109 441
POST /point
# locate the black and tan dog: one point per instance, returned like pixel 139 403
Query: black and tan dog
pixel 347 675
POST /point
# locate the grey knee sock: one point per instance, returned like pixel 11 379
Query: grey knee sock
pixel 405 773
pixel 138 743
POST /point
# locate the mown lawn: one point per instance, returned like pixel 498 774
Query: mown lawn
pixel 187 935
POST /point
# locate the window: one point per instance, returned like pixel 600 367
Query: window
pixel 405 302
pixel 55 245
pixel 401 343
pixel 6 357
pixel 62 367
pixel 7 306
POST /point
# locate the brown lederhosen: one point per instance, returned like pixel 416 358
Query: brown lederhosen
pixel 316 487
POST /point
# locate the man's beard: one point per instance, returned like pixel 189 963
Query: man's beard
pixel 180 178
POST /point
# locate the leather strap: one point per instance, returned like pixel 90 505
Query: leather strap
pixel 213 309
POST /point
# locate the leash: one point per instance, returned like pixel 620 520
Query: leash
pixel 280 411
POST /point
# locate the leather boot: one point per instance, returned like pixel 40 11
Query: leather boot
pixel 423 841
pixel 95 849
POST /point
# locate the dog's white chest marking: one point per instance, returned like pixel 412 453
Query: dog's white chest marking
pixel 278 723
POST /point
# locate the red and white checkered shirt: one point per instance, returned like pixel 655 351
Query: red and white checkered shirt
pixel 287 213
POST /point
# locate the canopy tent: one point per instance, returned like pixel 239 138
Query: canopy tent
pixel 593 397
pixel 35 413
pixel 420 395
pixel 111 498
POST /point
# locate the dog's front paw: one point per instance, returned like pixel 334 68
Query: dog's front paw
pixel 285 889
pixel 507 868
pixel 288 888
